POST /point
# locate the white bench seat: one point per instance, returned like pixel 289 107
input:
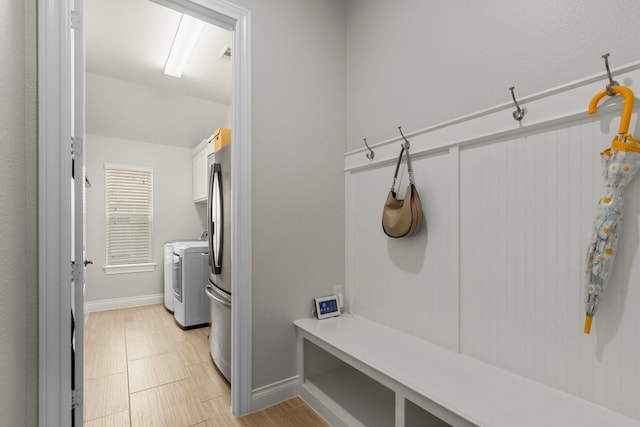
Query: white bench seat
pixel 458 389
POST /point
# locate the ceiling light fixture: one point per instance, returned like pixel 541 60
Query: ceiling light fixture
pixel 183 45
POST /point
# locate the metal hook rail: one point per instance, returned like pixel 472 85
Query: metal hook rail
pixel 406 144
pixel 611 81
pixel 370 154
pixel 520 112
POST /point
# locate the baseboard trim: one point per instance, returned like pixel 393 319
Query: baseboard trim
pixel 112 304
pixel 271 394
pixel 330 411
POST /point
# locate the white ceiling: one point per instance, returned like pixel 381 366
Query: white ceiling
pixel 130 40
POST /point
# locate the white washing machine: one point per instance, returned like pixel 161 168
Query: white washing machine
pixel 170 274
pixel 190 303
pixel 171 270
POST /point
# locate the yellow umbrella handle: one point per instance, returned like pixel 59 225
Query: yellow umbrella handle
pixel 629 98
pixel 587 324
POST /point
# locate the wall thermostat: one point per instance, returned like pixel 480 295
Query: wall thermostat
pixel 327 306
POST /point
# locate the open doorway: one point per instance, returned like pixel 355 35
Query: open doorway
pixel 138 115
pixel 55 107
pixel 142 120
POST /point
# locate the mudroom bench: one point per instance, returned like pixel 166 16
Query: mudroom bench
pixel 356 372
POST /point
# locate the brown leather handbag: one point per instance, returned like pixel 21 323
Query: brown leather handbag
pixel 404 217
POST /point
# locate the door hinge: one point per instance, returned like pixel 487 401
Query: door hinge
pixel 76 20
pixel 76 145
pixel 76 398
pixel 75 271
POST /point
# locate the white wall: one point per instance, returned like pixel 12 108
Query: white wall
pixel 415 63
pixel 299 127
pixel 18 238
pixel 176 216
pixel 131 111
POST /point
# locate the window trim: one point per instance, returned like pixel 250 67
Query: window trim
pixel 129 268
pixel 110 165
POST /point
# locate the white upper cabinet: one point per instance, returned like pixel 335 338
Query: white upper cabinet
pixel 200 183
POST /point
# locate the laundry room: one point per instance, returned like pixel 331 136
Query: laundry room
pixel 150 138
pixel 137 117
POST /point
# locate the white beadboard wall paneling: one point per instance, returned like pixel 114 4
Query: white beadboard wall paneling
pixel 498 274
pixel 509 212
pixel 453 274
pixel 624 312
pixel 406 283
pixel 526 213
pixel 349 243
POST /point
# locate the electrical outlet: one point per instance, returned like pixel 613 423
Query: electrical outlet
pixel 337 290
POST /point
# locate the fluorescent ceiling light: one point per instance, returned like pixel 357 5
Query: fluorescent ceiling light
pixel 183 45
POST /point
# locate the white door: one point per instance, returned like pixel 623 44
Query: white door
pixel 78 196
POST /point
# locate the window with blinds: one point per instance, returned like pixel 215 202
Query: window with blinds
pixel 129 215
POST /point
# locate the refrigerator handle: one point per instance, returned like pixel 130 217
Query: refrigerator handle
pixel 211 293
pixel 217 234
pixel 209 217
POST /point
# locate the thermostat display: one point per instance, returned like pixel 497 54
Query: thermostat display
pixel 327 307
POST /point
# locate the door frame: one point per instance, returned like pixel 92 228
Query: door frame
pixel 54 202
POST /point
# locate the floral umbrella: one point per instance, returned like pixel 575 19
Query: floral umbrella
pixel 620 163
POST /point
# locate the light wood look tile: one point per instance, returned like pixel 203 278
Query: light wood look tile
pixel 105 321
pixel 156 370
pixel 100 364
pixel 121 419
pixel 220 415
pixel 148 326
pixel 155 310
pixel 143 370
pixel 194 351
pixel 139 347
pixel 105 342
pixel 207 381
pixel 178 334
pixel 106 396
pixel 170 405
pixel 206 423
pixel 293 413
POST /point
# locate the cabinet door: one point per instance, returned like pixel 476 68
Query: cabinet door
pixel 200 176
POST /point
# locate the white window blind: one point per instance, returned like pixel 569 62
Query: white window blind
pixel 129 214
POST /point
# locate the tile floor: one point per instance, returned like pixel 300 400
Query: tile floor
pixel 143 370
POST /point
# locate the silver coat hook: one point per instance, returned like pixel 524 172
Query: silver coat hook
pixel 611 81
pixel 370 154
pixel 406 144
pixel 520 112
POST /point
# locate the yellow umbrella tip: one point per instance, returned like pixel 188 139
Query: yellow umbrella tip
pixel 587 324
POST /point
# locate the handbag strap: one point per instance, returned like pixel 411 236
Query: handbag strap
pixel 404 149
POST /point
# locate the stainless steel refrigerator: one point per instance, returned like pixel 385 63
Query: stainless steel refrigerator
pixel 218 289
